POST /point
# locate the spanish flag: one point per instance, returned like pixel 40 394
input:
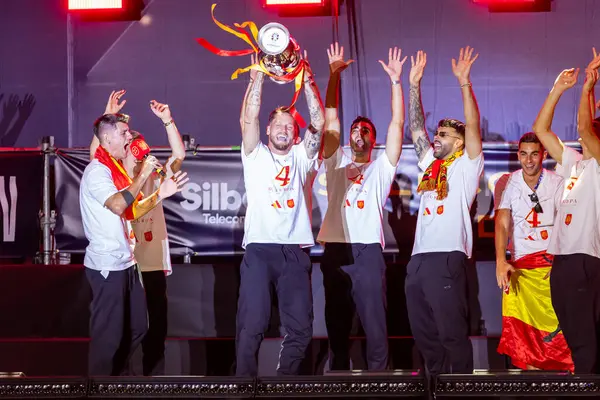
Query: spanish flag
pixel 531 335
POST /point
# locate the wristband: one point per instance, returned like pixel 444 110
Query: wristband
pixel 129 199
pixel 395 82
pixel 465 84
pixel 169 123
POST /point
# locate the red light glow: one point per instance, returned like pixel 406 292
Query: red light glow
pixel 293 2
pixel 95 4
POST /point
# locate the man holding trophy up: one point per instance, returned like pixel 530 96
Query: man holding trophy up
pixel 277 228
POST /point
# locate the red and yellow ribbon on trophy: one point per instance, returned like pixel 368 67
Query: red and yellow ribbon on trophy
pixel 278 54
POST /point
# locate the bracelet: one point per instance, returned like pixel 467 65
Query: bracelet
pixel 169 123
pixel 129 199
pixel 465 84
pixel 395 82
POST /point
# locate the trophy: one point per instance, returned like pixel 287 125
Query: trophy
pixel 280 54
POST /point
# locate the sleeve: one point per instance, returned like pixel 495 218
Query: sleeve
pixel 502 193
pixel 247 159
pixel 569 159
pixel 100 184
pixel 427 160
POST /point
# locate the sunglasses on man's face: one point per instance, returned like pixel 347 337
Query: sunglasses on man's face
pixel 537 206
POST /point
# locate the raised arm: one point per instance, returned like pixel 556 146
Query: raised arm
pixel 586 105
pixel 331 136
pixel 462 71
pixel 543 123
pixel 393 143
pixel 314 133
pixel 112 107
pixel 416 116
pixel 250 110
pixel 163 112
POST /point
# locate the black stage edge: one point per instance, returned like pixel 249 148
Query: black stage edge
pixel 518 384
pixel 342 385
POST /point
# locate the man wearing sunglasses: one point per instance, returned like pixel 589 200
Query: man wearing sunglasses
pixel 526 202
pixel 436 280
pixel 575 242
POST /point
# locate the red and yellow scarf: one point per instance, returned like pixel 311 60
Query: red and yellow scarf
pixel 436 176
pixel 119 176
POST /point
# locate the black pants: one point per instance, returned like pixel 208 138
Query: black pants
pixel 575 290
pixel 118 320
pixel 288 268
pixel 153 345
pixel 436 298
pixel 354 278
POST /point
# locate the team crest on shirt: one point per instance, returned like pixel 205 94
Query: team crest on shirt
pixel 148 236
pixel 544 234
pixel 131 234
pixel 360 204
pixel 568 219
pixel 290 203
pixel 440 210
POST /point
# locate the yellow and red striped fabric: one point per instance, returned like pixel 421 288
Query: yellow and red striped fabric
pixel 530 329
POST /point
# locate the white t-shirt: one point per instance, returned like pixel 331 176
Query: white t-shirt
pixel 110 248
pixel 531 230
pixel 445 225
pixel 279 196
pixel 356 194
pixel 151 239
pixel 576 228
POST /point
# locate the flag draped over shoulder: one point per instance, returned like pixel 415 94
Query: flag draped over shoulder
pixel 530 331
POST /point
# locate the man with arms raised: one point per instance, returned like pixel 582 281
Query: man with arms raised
pixel 352 232
pixel 436 280
pixel 526 202
pixel 109 200
pixel 575 241
pixel 277 228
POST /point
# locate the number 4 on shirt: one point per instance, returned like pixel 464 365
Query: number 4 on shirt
pixel 284 176
pixel 532 218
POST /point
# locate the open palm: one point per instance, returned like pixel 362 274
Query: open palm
pixel 395 63
pixel 462 67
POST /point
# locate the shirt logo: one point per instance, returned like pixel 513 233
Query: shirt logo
pixel 360 204
pixel 544 234
pixel 571 183
pixel 148 236
pixel 426 212
pixel 276 204
pixel 440 210
pixel 568 219
pixel 290 203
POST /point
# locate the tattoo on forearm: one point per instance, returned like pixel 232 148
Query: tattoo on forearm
pixel 415 111
pixel 422 145
pixel 312 139
pixel 253 97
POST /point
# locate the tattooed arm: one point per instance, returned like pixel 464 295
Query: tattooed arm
pixel 314 133
pixel 416 116
pixel 249 114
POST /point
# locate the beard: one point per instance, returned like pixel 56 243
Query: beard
pixel 444 151
pixel 281 146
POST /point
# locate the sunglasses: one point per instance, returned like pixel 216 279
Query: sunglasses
pixel 537 206
pixel 445 134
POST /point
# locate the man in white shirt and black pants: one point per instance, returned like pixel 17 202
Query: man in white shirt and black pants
pixel 436 280
pixel 109 199
pixel 278 178
pixel 575 241
pixel 352 232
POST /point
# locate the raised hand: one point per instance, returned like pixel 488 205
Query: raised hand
pixel 595 63
pixel 113 106
pixel 417 68
pixel 253 60
pixel 395 63
pixel 162 111
pixel 566 79
pixel 173 185
pixel 591 77
pixel 462 67
pixel 335 53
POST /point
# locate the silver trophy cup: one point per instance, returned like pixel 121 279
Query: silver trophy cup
pixel 280 53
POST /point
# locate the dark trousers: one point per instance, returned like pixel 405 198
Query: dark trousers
pixel 287 267
pixel 354 279
pixel 153 345
pixel 436 299
pixel 118 320
pixel 575 290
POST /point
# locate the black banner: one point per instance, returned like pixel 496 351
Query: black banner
pixel 207 217
pixel 21 174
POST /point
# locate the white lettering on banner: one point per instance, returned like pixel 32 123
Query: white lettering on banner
pixel 9 211
pixel 214 196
